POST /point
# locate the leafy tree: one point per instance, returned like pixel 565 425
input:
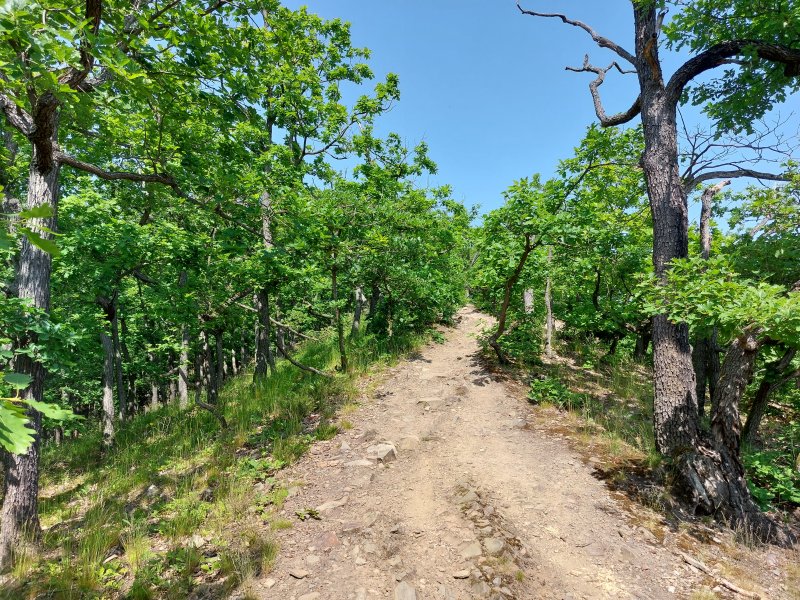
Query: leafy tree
pixel 718 34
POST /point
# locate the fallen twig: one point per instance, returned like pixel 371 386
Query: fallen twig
pixel 723 582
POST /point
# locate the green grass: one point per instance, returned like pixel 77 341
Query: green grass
pixel 119 524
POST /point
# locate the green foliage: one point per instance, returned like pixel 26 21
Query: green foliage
pixel 548 390
pixel 737 96
pixel 771 480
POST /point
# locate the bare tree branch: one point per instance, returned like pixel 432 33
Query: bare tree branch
pixel 594 88
pixel 66 159
pixel 73 77
pixel 719 54
pixel 733 174
pixel 600 40
pixel 17 117
pixel 297 364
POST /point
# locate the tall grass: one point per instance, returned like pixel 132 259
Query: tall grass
pixel 173 503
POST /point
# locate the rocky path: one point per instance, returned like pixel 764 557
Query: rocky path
pixel 441 491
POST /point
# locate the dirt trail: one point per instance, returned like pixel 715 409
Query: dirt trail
pixel 476 504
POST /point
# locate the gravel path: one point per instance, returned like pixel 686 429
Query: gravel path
pixel 466 502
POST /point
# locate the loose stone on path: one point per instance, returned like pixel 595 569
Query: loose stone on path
pixel 405 591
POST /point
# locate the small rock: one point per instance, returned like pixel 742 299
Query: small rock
pixel 472 550
pixel 468 498
pixel 326 541
pixel 360 561
pixel 368 435
pixel 311 596
pixel 405 591
pixel 481 588
pixel 312 559
pixel 671 589
pixel 383 453
pixel 197 541
pixel 446 593
pixel 463 574
pixel 370 548
pixel 410 442
pixel 152 491
pixel 331 504
pixel 298 573
pixel 345 447
pixel 269 583
pixel 359 463
pixel 494 545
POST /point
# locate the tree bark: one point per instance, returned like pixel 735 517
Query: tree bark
pixel 675 405
pixel 209 371
pixel 337 314
pixel 183 360
pixel 122 398
pixel 705 358
pixel 374 299
pixel 527 300
pixel 264 358
pixel 642 344
pixel 724 485
pixel 774 377
pixel 19 518
pixel 359 301
pixel 220 357
pixel 108 416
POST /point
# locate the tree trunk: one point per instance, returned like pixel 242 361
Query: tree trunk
pixel 220 357
pixel 122 398
pixel 548 304
pixel 705 361
pixel 337 314
pixel 374 298
pixel 771 381
pixel 183 360
pixel 507 291
pixel 642 344
pixel 675 405
pixel 705 358
pixel 154 401
pixel 723 485
pixel 108 390
pixel 234 365
pixel 701 467
pixel 527 300
pixel 264 357
pixel 359 301
pixel 19 518
pixel 209 371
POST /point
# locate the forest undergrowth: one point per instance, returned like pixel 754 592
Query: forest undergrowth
pixel 178 507
pixel 610 400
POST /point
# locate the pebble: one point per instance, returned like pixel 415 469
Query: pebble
pixel 463 574
pixel 298 573
pixel 405 591
pixel 494 545
pixel 472 550
pixel 311 596
pixel 382 453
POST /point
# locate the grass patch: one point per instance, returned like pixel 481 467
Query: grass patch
pixel 174 504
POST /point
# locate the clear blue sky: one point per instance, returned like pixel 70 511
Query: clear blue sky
pixel 485 86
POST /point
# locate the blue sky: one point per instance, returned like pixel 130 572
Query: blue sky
pixel 485 86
